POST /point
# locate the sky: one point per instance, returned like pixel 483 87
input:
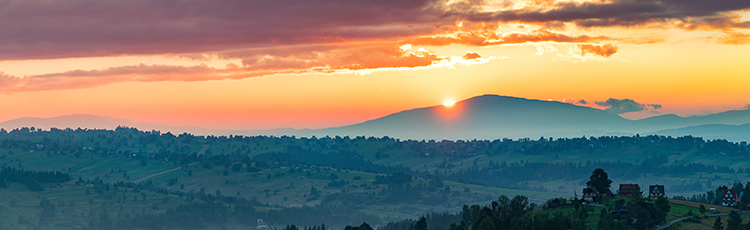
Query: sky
pixel 262 64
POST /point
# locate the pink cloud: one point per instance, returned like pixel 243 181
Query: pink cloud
pixel 316 59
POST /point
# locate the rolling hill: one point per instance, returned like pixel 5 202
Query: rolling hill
pixel 494 117
pixel 490 117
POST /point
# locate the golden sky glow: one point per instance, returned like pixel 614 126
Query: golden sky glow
pixel 340 63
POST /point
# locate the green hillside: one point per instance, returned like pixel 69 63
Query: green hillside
pixel 358 172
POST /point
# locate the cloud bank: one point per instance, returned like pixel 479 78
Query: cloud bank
pixel 620 106
pixel 272 37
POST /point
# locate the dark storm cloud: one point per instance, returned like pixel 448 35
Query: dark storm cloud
pixel 33 29
pixel 82 28
pixel 620 12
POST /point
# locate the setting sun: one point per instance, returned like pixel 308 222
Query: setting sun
pixel 449 103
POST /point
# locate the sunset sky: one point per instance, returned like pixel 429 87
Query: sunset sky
pixel 259 64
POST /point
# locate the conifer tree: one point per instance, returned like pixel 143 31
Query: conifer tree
pixel 718 225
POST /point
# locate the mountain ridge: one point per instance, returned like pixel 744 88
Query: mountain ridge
pixel 482 117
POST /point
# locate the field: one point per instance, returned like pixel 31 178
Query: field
pixel 75 205
pixel 678 209
pixel 706 223
pixel 264 169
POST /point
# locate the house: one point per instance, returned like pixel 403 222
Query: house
pixel 262 225
pixel 607 192
pixel 591 194
pixel 629 190
pixel 730 198
pixel 655 191
pixel 621 209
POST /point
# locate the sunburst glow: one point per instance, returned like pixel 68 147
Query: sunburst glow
pixel 449 103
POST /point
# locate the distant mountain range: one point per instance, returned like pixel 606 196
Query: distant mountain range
pixel 98 122
pixel 735 133
pixel 493 116
pixel 481 117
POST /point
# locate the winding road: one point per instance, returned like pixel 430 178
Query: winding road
pixel 684 218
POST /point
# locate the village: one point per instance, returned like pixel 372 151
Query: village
pixel 730 198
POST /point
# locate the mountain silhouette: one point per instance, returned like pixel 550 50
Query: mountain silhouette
pixel 481 117
pixel 85 121
pixel 493 116
pixel 489 117
pixel 68 121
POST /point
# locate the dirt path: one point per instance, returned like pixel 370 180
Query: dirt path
pixel 157 174
pixel 91 166
pixel 203 150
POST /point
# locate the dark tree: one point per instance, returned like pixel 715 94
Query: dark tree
pixel 745 200
pixel 599 180
pixel 236 167
pixel 314 191
pixel 421 224
pixel 662 203
pixel 605 222
pixel 718 225
pixel 365 226
pixel 485 223
pixel 734 220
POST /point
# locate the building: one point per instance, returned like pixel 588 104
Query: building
pixel 730 198
pixel 655 191
pixel 591 194
pixel 621 209
pixel 629 190
pixel 262 225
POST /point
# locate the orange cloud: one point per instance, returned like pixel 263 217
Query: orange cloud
pixel 546 35
pixel 478 39
pixel 471 56
pixel 735 39
pixel 307 59
pixel 605 50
